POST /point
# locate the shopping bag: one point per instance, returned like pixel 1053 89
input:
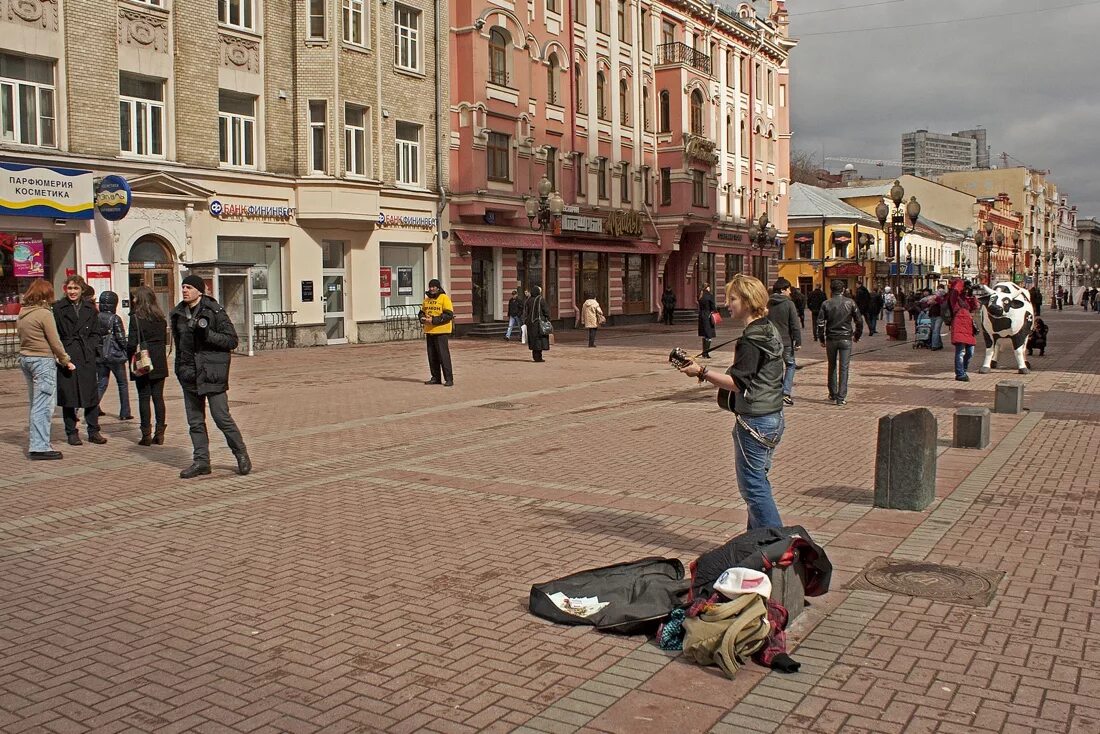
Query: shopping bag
pixel 523 334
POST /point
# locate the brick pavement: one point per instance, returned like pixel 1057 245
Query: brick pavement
pixel 372 574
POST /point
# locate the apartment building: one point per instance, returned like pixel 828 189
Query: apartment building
pixel 290 141
pixel 927 154
pixel 663 126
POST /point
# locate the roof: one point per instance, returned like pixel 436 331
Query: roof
pixel 813 202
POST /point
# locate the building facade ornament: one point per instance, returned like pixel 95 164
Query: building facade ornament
pixel 39 13
pixel 142 30
pixel 240 53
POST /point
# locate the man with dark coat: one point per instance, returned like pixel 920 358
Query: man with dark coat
pixel 205 339
pixel 863 300
pixel 1036 299
pixel 783 313
pixel 536 311
pixel 840 326
pixel 875 311
pixel 668 305
pixel 707 309
pixel 799 300
pixel 515 313
pixel 80 332
pixel 813 302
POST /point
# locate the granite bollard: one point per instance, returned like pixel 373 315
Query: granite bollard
pixel 1009 397
pixel 971 428
pixel 905 460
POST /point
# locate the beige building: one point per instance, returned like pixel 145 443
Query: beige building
pixel 297 137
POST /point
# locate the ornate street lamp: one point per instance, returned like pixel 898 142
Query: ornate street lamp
pixel 892 220
pixel 1036 258
pixel 1015 252
pixel 864 244
pixel 987 242
pixel 762 235
pixel 541 214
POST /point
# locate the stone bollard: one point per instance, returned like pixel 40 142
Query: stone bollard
pixel 971 428
pixel 1009 397
pixel 905 460
pixel 788 588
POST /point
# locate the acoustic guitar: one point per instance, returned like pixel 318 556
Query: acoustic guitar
pixel 678 358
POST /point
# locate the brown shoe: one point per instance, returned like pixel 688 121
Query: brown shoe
pixel 96 438
pixel 146 436
pixel 158 436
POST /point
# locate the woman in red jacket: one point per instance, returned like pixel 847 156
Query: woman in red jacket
pixel 964 331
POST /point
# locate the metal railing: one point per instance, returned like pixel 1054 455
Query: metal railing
pixel 273 329
pixel 401 323
pixel 9 344
pixel 681 53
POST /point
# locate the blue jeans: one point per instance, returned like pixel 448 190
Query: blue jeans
pixel 41 374
pixel 753 461
pixel 935 341
pixel 963 353
pixel 105 371
pixel 788 374
pixel 513 321
pixel 872 321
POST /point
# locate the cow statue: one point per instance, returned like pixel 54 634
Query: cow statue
pixel 1007 313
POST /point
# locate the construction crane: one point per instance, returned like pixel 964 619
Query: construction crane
pixel 898 164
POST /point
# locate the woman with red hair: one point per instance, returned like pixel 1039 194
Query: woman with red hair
pixel 40 351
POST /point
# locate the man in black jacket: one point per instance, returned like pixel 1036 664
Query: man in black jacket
pixel 783 313
pixel 205 338
pixel 515 313
pixel 839 326
pixel 813 302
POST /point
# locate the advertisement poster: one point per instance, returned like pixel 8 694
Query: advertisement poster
pixel 404 281
pixel 29 257
pixel 38 191
pixel 98 277
pixel 385 281
pixel 259 281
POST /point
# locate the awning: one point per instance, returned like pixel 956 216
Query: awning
pixel 533 241
pixel 520 240
pixel 582 245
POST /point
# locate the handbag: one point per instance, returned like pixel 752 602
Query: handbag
pixel 545 328
pixel 715 318
pixel 141 363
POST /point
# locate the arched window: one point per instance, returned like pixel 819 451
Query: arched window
pixel 498 56
pixel 578 87
pixel 624 102
pixel 744 137
pixel 697 112
pixel 552 69
pixel 729 133
pixel 647 114
pixel 663 117
pixel 772 144
pixel 601 95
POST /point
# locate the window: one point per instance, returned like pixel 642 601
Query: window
pixel 698 191
pixel 744 66
pixel 623 35
pixel 406 37
pixel 580 172
pixel 666 186
pixel 805 243
pixel 601 177
pixel 237 14
pixel 598 11
pixel 141 116
pixel 601 95
pixel 729 133
pixel 624 102
pixel 355 22
pixel 647 192
pixel 757 81
pixel 408 153
pixel 579 8
pixel 154 3
pixel 552 167
pixel 731 76
pixel 499 154
pixel 237 129
pixel 663 121
pixel 552 6
pixel 318 136
pixel 317 20
pixel 355 140
pixel 771 85
pixel 577 86
pixel 647 41
pixel 552 69
pixel 735 264
pixel 647 115
pixel 624 183
pixel 782 95
pixel 26 101
pixel 697 112
pixel 498 56
pixel 744 138
pixel 668 32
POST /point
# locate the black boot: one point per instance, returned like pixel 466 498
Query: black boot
pixel 158 436
pixel 195 470
pixel 146 436
pixel 244 464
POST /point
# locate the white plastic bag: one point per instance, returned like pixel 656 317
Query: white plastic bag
pixel 523 334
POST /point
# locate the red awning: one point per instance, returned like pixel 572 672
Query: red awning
pixel 582 245
pixel 533 241
pixel 481 238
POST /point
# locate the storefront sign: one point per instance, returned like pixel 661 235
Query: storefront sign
pixel 624 223
pixel 385 281
pixel 729 237
pixel 29 256
pixel 577 223
pixel 405 222
pixel 307 291
pixel 113 198
pixel 34 191
pixel 404 281
pixel 844 270
pixel 224 211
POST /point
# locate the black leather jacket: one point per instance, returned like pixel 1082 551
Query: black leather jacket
pixel 839 320
pixel 204 344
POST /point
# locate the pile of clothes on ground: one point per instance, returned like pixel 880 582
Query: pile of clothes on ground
pixel 723 613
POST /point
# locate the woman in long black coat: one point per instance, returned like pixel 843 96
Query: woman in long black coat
pixel 535 308
pixel 706 322
pixel 79 329
pixel 149 330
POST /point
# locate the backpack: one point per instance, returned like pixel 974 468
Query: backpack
pixel 889 301
pixel 727 634
pixel 111 350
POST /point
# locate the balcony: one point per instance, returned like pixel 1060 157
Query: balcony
pixel 681 53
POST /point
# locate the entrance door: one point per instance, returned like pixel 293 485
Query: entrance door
pixel 481 283
pixel 152 265
pixel 591 277
pixel 636 284
pixel 333 295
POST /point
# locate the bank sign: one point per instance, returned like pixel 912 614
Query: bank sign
pixel 36 191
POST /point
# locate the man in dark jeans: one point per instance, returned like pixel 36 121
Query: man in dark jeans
pixel 839 326
pixel 813 302
pixel 205 338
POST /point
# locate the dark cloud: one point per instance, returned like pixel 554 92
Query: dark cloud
pixel 1030 79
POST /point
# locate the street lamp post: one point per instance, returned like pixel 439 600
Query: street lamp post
pixel 762 235
pixel 541 214
pixel 1036 258
pixel 863 251
pixel 1015 252
pixel 987 242
pixel 895 216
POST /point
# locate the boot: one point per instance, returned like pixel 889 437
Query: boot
pixel 195 470
pixel 158 437
pixel 244 464
pixel 146 436
pixel 97 437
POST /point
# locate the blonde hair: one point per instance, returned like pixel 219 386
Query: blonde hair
pixel 750 292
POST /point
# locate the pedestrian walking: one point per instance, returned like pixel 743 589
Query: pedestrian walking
pixel 755 383
pixel 591 316
pixel 41 357
pixel 799 300
pixel 840 327
pixel 964 332
pixel 874 311
pixel 112 354
pixel 707 309
pixel 783 314
pixel 204 339
pixel 863 300
pixel 668 305
pixel 1036 299
pixel 515 313
pixel 149 330
pixel 437 319
pixel 889 303
pixel 79 329
pixel 813 302
pixel 935 311
pixel 536 312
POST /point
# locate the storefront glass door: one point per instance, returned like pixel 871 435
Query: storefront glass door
pixel 333 293
pixel 636 284
pixel 591 277
pixel 151 265
pixel 481 276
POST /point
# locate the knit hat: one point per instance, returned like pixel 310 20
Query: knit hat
pixel 195 282
pixel 781 284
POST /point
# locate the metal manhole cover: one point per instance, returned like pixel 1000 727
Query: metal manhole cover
pixel 933 581
pixel 501 405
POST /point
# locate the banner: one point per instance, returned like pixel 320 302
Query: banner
pixel 36 191
pixel 385 281
pixel 404 281
pixel 29 256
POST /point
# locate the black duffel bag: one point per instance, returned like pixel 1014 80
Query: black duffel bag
pixel 762 550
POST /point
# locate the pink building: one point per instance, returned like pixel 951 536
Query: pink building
pixel 663 126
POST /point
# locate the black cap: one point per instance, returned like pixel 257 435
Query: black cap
pixel 195 282
pixel 781 284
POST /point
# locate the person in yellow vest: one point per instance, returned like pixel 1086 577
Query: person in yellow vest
pixel 437 315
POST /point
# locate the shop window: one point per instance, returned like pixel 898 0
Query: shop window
pixel 528 269
pixel 406 37
pixel 760 268
pixel 704 270
pixel 237 129
pixel 406 264
pixel 316 30
pixel 240 14
pixel 498 151
pixel 735 264
pixel 635 283
pixel 266 256
pixel 318 136
pixel 141 116
pixel 355 22
pixel 666 186
pixel 408 153
pixel 355 140
pixel 698 189
pixel 498 56
pixel 27 101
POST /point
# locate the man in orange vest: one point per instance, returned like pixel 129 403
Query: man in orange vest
pixel 436 315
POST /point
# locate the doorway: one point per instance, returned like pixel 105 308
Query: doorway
pixel 152 265
pixel 481 283
pixel 591 277
pixel 333 292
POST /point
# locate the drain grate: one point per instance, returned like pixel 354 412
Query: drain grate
pixel 949 584
pixel 501 405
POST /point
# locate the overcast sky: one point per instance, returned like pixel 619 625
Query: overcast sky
pixel 1032 79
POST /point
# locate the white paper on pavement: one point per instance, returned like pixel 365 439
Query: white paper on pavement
pixel 584 606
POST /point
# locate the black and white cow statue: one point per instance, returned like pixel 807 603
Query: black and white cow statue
pixel 1007 314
